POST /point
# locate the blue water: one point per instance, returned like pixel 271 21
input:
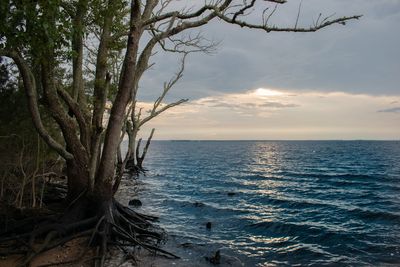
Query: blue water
pixel 307 203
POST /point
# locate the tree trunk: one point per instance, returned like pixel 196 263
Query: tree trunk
pixel 131 162
pixel 135 162
pixel 140 159
pixel 78 180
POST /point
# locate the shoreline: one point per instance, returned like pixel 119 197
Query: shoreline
pixel 191 252
pixel 70 253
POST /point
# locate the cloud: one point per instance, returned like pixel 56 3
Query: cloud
pixel 270 104
pixel 280 114
pixel 331 83
pixel 390 110
pixel 278 105
pixel 258 102
pixel 361 57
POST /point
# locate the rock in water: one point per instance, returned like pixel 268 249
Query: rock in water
pixel 208 225
pixel 198 204
pixel 216 259
pixel 135 202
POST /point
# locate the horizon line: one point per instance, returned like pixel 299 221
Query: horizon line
pixel 273 140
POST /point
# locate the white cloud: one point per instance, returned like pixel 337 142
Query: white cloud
pixel 278 114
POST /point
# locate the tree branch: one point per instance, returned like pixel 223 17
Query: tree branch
pixel 317 26
pixel 75 108
pixel 31 92
pixel 167 86
pixel 161 110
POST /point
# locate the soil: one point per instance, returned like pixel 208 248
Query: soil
pixel 71 251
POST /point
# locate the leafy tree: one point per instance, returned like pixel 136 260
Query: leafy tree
pixel 48 42
pixel 21 149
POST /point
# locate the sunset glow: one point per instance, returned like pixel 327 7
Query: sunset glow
pixel 267 92
pixel 277 114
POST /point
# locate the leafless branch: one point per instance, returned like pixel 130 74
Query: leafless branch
pixel 157 109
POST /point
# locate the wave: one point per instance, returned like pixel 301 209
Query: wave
pixel 322 175
pixel 340 207
pixel 375 215
pixel 318 203
pixel 204 207
pixel 306 233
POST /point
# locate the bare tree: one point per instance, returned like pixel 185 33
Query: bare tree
pixel 134 160
pixel 37 38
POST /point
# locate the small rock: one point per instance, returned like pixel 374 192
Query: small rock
pixel 198 204
pixel 135 203
pixel 216 259
pixel 186 245
pixel 231 194
pixel 208 225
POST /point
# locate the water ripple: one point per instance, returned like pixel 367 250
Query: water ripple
pixel 281 203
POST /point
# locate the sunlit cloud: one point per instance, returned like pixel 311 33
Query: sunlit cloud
pixel 266 113
pixel 267 92
pixel 260 101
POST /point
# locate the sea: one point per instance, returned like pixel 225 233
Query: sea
pixel 276 203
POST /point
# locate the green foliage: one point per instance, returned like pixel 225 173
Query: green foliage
pixel 15 120
pixel 23 155
pixel 14 116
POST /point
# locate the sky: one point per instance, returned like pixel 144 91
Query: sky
pixel 342 82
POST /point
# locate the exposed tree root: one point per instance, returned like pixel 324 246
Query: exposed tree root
pixel 134 170
pixel 113 225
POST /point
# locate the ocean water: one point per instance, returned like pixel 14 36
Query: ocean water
pixel 304 203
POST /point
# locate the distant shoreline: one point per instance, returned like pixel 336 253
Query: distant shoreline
pixel 277 140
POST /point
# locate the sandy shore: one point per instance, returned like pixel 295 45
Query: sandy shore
pixel 75 254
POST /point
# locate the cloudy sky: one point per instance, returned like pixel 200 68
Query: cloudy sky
pixel 342 82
